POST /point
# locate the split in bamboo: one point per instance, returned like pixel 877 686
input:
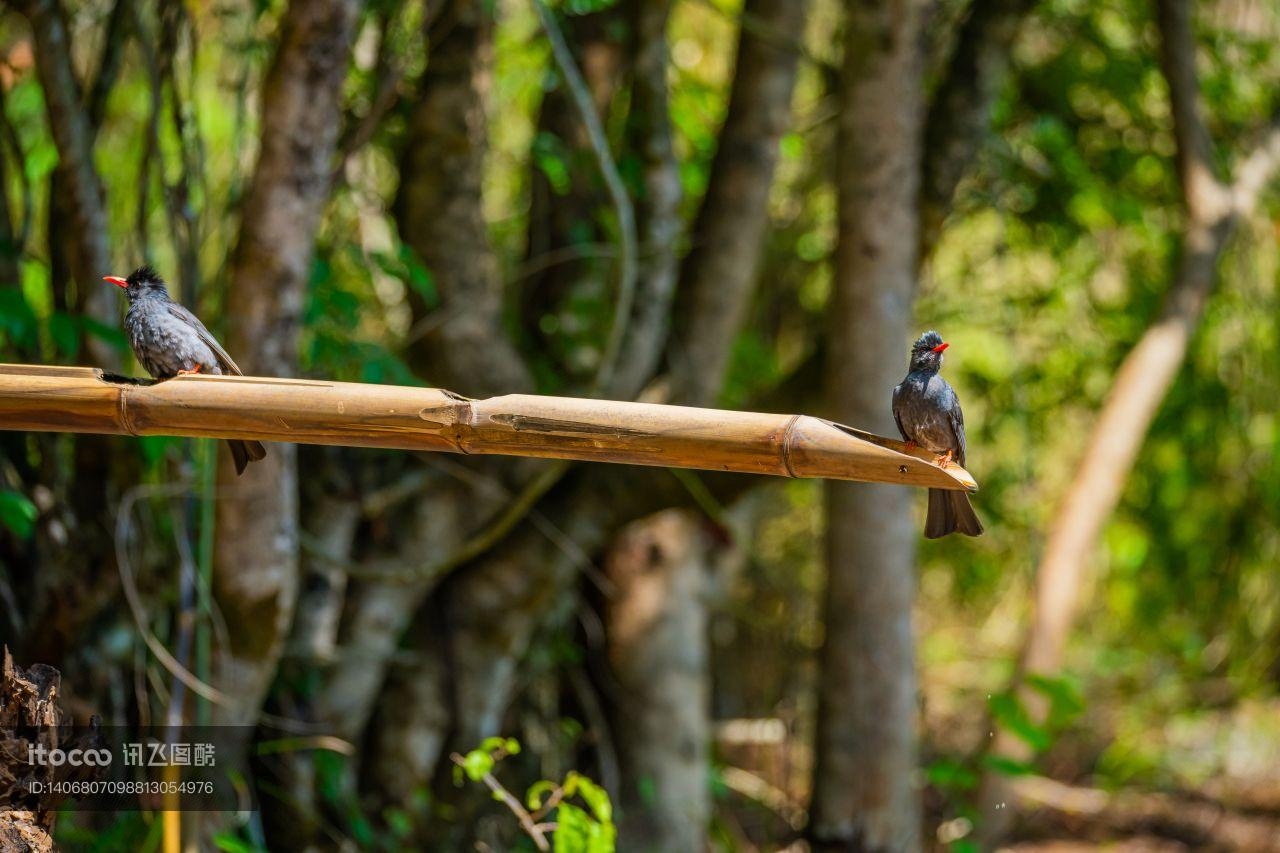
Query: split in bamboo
pixel 81 399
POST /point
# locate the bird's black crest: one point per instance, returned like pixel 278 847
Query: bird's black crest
pixel 928 340
pixel 144 273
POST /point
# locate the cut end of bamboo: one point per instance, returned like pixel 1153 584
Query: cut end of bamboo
pixel 843 452
pixel 304 411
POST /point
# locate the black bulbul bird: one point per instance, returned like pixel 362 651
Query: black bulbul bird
pixel 169 341
pixel 928 415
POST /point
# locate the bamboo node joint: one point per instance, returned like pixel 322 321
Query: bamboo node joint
pixel 122 405
pixel 787 436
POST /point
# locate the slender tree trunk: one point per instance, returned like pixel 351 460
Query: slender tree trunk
pixel 658 222
pixel 961 106
pixel 865 794
pixel 438 209
pixel 659 656
pixel 410 728
pixel 82 202
pixel 256 570
pixel 719 273
pixel 1144 378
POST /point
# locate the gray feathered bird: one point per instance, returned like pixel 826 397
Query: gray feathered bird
pixel 928 414
pixel 169 340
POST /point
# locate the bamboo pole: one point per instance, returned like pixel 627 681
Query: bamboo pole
pixel 82 399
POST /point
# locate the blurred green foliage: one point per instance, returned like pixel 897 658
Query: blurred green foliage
pixel 573 828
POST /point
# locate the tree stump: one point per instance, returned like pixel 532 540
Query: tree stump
pixel 29 714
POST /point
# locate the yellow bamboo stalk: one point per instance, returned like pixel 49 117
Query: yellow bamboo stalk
pixel 82 399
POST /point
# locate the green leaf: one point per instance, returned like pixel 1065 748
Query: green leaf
pixel 492 744
pixel 572 829
pixel 40 160
pixel 17 513
pixel 951 775
pixel 538 792
pixel 1008 766
pixel 476 764
pixel 594 796
pixel 1009 713
pixel 331 770
pixel 1065 699
pixel 602 838
pixel 549 156
pixel 420 278
pixel 231 844
pixel 399 822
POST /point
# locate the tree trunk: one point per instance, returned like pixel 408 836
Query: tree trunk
pixel 659 656
pixel 961 107
pixel 439 211
pixel 865 794
pixel 410 728
pixel 719 273
pixel 256 570
pixel 82 201
pixel 658 222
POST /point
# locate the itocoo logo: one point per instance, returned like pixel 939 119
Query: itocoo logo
pixel 41 754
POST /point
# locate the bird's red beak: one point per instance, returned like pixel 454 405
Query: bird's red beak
pixel 116 280
pixel 940 347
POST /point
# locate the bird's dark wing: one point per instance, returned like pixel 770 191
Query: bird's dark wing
pixel 209 340
pixel 897 416
pixel 957 426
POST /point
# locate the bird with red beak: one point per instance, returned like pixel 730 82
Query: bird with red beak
pixel 928 414
pixel 169 341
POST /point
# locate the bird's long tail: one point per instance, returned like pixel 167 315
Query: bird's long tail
pixel 244 452
pixel 949 511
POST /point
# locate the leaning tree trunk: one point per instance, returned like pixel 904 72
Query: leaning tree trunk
pixel 865 795
pixel 1213 209
pixel 255 569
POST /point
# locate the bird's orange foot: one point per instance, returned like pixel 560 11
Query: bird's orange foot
pixel 911 445
pixel 944 460
pixel 189 372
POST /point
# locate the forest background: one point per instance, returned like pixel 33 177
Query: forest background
pixel 751 205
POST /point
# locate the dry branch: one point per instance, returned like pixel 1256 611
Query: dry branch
pixel 81 399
